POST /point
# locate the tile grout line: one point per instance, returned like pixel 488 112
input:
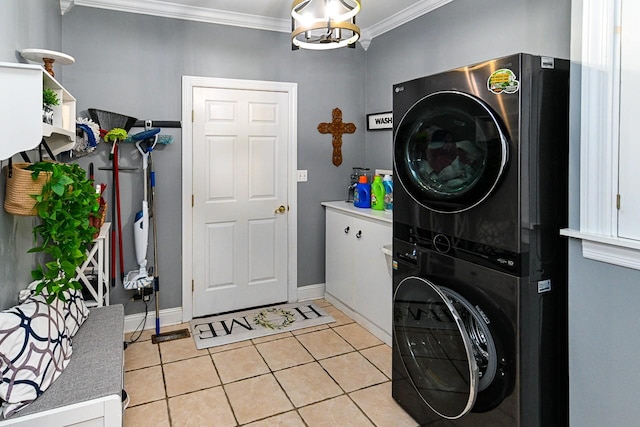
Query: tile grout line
pixel 272 372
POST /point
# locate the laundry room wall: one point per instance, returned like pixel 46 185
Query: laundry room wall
pixel 133 64
pixel 460 33
pixel 23 24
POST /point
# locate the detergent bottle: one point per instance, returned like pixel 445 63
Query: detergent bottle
pixel 387 181
pixel 377 194
pixel 362 194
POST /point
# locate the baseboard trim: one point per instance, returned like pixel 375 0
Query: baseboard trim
pixel 168 316
pixel 309 292
pixel 173 316
pixel 363 321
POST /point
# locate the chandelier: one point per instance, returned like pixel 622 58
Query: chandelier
pixel 324 24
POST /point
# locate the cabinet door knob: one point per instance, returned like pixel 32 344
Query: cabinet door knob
pixel 346 230
pixel 359 234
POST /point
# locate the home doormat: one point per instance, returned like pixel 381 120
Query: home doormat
pixel 243 325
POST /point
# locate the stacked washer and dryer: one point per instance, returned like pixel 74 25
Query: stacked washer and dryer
pixel 480 270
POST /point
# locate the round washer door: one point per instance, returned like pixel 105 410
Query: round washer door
pixel 450 151
pixel 435 348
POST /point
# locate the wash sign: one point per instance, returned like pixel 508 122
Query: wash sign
pixel 380 121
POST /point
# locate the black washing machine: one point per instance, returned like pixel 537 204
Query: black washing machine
pixel 473 345
pixel 479 282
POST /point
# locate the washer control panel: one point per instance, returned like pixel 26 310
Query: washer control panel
pixel 496 258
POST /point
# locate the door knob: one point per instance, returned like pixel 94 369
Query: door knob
pixel 281 209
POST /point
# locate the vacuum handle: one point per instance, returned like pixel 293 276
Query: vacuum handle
pixel 145 155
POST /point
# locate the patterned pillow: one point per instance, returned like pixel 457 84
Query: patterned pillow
pixel 75 310
pixel 34 350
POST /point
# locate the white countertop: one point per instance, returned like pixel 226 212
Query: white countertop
pixel 384 216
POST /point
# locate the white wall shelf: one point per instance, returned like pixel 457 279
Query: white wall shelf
pixel 21 116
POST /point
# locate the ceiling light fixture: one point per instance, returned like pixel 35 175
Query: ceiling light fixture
pixel 324 24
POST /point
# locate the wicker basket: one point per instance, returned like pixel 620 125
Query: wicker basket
pixel 20 186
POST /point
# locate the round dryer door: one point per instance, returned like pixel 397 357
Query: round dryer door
pixel 450 151
pixel 435 347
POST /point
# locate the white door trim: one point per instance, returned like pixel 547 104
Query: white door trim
pixel 188 83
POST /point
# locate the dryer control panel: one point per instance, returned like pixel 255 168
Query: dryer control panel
pixel 485 255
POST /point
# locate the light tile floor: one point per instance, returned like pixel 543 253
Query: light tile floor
pixel 330 375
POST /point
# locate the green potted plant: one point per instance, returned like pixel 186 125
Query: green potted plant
pixel 67 201
pixel 49 99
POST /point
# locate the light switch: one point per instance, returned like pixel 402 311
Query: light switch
pixel 302 175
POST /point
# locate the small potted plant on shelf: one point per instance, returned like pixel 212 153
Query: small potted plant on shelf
pixel 49 99
pixel 67 201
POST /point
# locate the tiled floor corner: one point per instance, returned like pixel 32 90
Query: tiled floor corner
pixel 329 375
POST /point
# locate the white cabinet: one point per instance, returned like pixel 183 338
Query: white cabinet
pixel 21 88
pixel 340 259
pixel 356 272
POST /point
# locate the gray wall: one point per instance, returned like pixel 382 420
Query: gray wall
pixel 603 307
pixel 133 64
pixel 23 24
pixel 461 33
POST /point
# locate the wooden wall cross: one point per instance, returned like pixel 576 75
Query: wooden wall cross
pixel 336 128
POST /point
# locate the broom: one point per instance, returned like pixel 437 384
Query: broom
pixel 171 335
pixel 108 121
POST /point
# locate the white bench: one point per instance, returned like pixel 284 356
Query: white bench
pixel 89 391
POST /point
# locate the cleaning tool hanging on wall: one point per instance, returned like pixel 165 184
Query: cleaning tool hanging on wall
pixel 140 278
pixel 109 121
pixel 156 277
pixel 180 333
pixel 87 137
pixel 114 136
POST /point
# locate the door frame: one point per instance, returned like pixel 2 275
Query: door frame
pixel 188 84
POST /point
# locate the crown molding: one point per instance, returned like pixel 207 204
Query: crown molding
pixel 404 16
pixel 365 39
pixel 222 17
pixel 190 13
pixel 65 6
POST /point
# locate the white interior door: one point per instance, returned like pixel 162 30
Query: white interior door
pixel 240 206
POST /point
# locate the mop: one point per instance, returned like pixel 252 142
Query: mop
pixel 138 279
pixel 180 333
